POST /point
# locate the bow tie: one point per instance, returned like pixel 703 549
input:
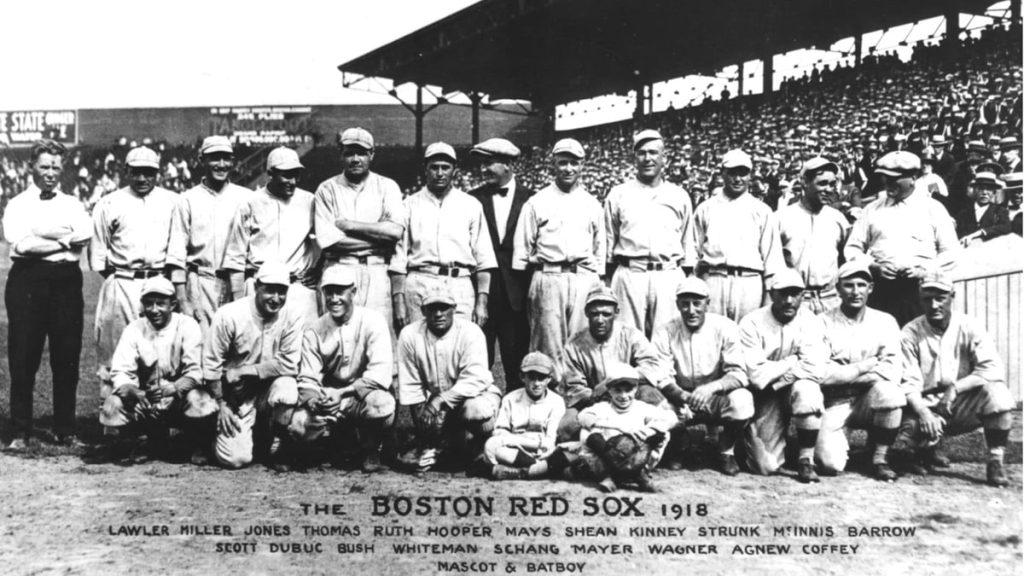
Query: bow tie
pixel 45 196
pixel 502 191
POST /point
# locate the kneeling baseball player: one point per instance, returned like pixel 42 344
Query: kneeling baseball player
pixel 345 373
pixel 156 376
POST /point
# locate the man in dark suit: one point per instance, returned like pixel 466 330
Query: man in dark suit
pixel 983 219
pixel 502 199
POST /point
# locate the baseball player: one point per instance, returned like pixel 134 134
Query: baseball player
pixel 250 361
pixel 46 231
pixel 134 238
pixel 648 225
pixel 905 236
pixel 561 239
pixel 445 243
pixel 157 376
pixel 526 427
pixel 502 198
pixel 737 242
pixel 707 383
pixel 444 381
pixel 813 235
pixel 620 415
pixel 358 220
pixel 954 381
pixel 275 224
pixel 204 215
pixel 861 380
pixel 589 352
pixel 345 372
pixel 783 348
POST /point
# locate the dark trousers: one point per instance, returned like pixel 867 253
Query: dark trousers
pixel 511 330
pixel 44 301
pixel 898 297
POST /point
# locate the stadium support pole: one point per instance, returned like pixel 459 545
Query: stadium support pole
pixel 474 98
pixel 739 89
pixel 768 77
pixel 419 114
pixel 1015 12
pixel 952 16
pixel 640 98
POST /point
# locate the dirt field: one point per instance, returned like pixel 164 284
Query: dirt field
pixel 61 514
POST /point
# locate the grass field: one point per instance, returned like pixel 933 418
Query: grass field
pixel 63 513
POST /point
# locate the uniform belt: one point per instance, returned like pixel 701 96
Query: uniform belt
pixel 137 273
pixel 723 270
pixel 451 271
pixel 645 264
pixel 558 267
pixel 292 277
pixel 208 271
pixel 819 289
pixel 360 259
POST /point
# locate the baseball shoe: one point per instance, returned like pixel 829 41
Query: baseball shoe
pixel 644 483
pixel 71 441
pixel 502 472
pixel 995 475
pixel 17 445
pixel 372 463
pixel 934 458
pixel 139 455
pixel 727 465
pixel 200 458
pixel 884 473
pixel 607 485
pixel 479 468
pixel 805 471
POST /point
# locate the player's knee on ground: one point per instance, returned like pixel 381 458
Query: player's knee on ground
pixel 378 404
pixel 299 428
pixel 199 404
pixel 234 452
pixel 739 405
pixel 832 451
pixel 886 395
pixel 495 443
pixel 284 390
pixel 113 413
pixel 806 399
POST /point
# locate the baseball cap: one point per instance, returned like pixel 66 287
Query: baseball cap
pixel 338 276
pixel 283 159
pixel 619 374
pixel 856 267
pixel 158 285
pixel 569 146
pixel 938 280
pixel 645 136
pixel 274 273
pixel 356 137
pixel 787 278
pixel 818 163
pixel 986 178
pixel 440 149
pixel 601 294
pixel 212 144
pixel 737 159
pixel 437 296
pixel 495 147
pixel 898 163
pixel 1013 180
pixel 142 157
pixel 692 285
pixel 537 362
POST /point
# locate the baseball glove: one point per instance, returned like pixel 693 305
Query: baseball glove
pixel 431 419
pixel 626 456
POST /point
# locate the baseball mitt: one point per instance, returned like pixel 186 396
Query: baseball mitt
pixel 627 456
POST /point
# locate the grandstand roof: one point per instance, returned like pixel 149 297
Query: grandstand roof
pixel 556 51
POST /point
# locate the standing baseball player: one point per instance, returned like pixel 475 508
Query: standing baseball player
pixel 250 361
pixel 204 214
pixel 134 238
pixel 561 239
pixel 589 352
pixel 275 224
pixel 46 231
pixel 905 236
pixel 648 225
pixel 783 347
pixel 444 382
pixel 861 379
pixel 737 242
pixel 502 198
pixel 707 383
pixel 157 376
pixel 345 373
pixel 526 427
pixel 954 381
pixel 445 245
pixel 358 220
pixel 813 235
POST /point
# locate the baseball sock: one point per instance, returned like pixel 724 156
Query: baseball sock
pixel 806 439
pixel 727 438
pixel 996 441
pixel 882 439
pixel 555 463
pixel 523 460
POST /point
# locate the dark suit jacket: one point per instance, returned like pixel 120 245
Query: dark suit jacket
pixel 995 221
pixel 508 287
